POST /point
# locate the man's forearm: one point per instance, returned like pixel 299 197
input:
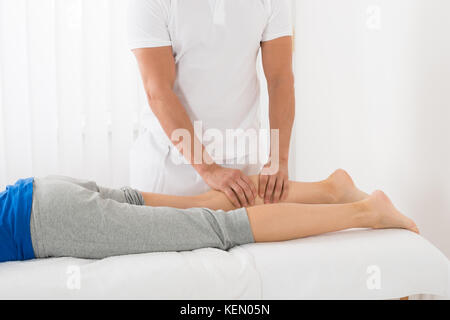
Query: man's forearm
pixel 158 69
pixel 282 112
pixel 173 116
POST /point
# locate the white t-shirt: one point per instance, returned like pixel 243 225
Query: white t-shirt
pixel 215 45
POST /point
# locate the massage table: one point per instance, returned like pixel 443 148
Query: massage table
pixel 352 264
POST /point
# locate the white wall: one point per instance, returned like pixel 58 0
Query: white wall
pixel 373 97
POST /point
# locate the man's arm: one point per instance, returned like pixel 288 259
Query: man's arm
pixel 158 72
pixel 277 63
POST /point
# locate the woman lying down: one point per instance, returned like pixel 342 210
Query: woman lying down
pixel 64 217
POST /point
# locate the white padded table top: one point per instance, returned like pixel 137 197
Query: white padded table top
pixel 354 264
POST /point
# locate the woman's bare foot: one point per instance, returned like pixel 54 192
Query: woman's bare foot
pixel 386 216
pixel 343 188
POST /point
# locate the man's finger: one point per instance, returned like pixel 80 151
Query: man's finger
pixel 250 184
pixel 263 179
pixel 278 189
pixel 270 189
pixel 285 191
pixel 240 194
pixel 247 190
pixel 232 197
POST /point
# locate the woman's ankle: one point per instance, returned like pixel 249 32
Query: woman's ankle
pixel 365 215
pixel 342 189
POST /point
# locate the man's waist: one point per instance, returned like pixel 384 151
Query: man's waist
pixel 150 121
pixel 222 143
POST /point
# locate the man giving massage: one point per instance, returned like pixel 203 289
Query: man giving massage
pixel 65 217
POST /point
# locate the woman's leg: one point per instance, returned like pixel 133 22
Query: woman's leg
pixel 280 222
pixel 338 188
pixel 68 220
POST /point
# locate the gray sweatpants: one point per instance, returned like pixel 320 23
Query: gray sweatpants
pixel 74 218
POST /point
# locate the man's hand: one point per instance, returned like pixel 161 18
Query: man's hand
pixel 274 187
pixel 239 189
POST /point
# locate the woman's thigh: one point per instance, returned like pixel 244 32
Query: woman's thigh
pixel 68 220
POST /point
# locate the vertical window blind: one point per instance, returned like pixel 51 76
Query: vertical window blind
pixel 70 92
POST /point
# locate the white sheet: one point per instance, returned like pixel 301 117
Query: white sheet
pixel 331 266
